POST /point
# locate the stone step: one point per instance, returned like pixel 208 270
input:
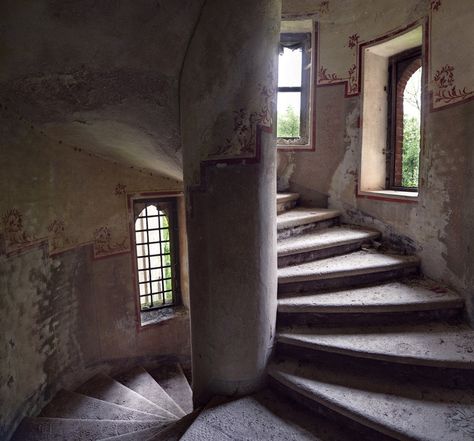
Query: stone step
pixel 434 344
pixel 106 388
pixel 323 243
pixel 263 416
pixel 302 219
pixel 286 201
pixel 59 429
pixel 141 435
pixel 176 430
pixel 139 380
pixel 404 410
pixel 357 268
pixel 73 405
pixel 411 299
pixel 172 379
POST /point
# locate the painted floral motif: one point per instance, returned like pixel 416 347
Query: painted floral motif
pixel 353 41
pixel 58 237
pixel 446 90
pixel 245 126
pixel 435 5
pixel 461 420
pixel 120 189
pixel 103 242
pixel 352 83
pixel 13 228
pixel 324 7
pixel 324 76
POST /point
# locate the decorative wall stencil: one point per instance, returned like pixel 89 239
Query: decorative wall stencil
pixel 324 8
pixel 14 233
pixel 327 78
pixel 242 143
pixel 58 239
pixel 353 41
pixel 335 66
pixel 435 5
pixel 120 189
pixel 104 245
pixel 446 90
pixel 451 48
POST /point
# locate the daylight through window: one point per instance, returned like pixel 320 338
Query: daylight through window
pixel 155 253
pixel 293 88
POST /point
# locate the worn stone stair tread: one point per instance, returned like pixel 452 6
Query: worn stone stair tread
pixel 139 380
pixel 263 416
pixel 403 409
pixel 287 197
pixel 325 238
pixel 67 404
pixel 433 344
pixel 62 429
pixel 352 264
pixel 172 379
pixel 303 216
pixel 141 435
pixel 175 431
pixel 408 295
pixel 106 388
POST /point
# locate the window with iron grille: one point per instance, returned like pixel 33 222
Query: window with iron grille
pixel 156 252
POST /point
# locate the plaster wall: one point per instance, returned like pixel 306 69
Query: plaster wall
pixel 229 81
pixel 67 292
pixel 102 75
pixel 439 225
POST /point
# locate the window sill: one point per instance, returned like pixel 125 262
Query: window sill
pixel 162 315
pixel 390 195
pixel 295 148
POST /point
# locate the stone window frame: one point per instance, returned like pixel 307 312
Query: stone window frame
pixel 161 312
pixel 309 27
pixel 402 66
pixel 297 40
pixel 372 182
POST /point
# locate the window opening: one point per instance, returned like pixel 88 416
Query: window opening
pixel 293 88
pixel 405 114
pixel 156 257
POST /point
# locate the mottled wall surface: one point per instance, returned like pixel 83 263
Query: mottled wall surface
pixel 439 226
pixel 67 296
pixel 103 75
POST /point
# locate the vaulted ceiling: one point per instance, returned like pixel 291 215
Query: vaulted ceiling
pixel 100 75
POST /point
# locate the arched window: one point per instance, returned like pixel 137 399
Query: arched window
pixel 405 120
pixel 156 256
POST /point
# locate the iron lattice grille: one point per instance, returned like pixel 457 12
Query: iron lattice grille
pixel 154 257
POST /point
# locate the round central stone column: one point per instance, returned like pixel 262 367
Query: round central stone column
pixel 228 90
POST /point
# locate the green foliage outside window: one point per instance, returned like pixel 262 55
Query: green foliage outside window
pixel 411 152
pixel 288 124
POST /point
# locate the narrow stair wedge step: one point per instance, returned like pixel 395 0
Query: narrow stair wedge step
pixel 72 405
pixel 398 296
pixel 436 344
pixel 357 268
pixel 62 429
pixel 172 379
pixel 303 219
pixel 106 388
pixel 404 410
pixel 323 243
pixel 140 381
pixel 286 201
